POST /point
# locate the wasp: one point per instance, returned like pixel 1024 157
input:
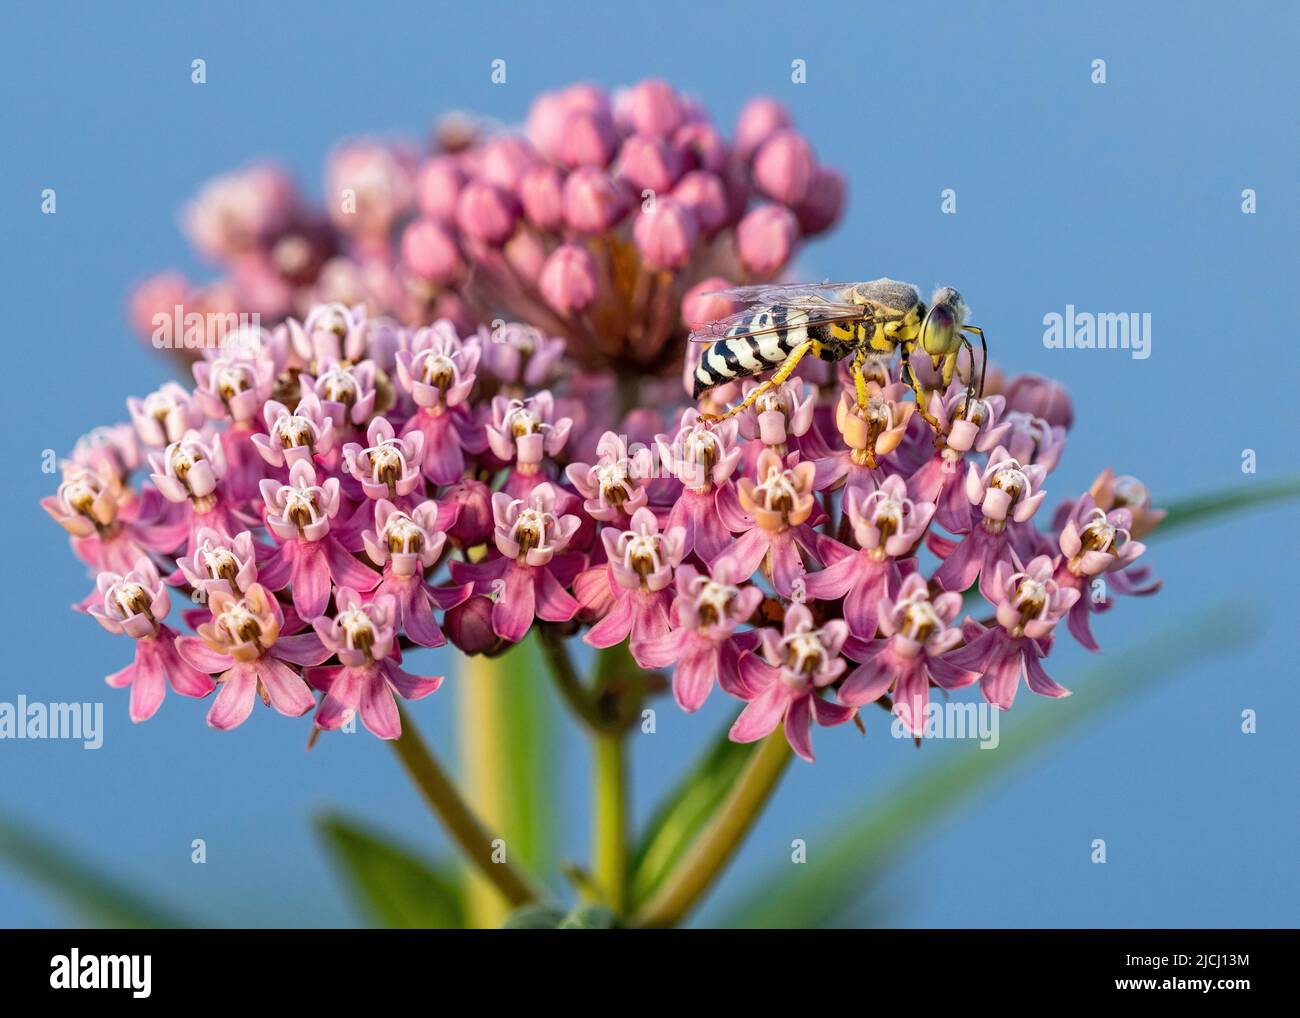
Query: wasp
pixel 778 325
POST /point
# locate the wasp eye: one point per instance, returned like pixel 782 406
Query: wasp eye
pixel 939 334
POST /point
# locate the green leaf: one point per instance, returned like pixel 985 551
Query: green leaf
pixel 685 811
pixel 856 850
pixel 534 917
pixel 392 885
pixel 589 917
pixel 523 728
pixel 1248 494
pixel 548 917
pixel 89 892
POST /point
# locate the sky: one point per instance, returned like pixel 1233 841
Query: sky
pixel 1114 197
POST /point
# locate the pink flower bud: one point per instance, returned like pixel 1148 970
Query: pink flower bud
pixel 766 237
pixel 486 212
pixel 589 139
pixel 540 193
pixel 1041 397
pixel 593 201
pixel 469 626
pixel 430 252
pixel 698 309
pixel 438 186
pixel 505 160
pixel 653 107
pixel 823 204
pixel 526 255
pixel 666 236
pixel 704 194
pixel 585 96
pixel 759 120
pixel 648 163
pixel 545 124
pixel 158 296
pixel 474 522
pixel 568 279
pixel 701 147
pixel 785 167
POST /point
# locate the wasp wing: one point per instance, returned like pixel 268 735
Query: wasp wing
pixel 782 293
pixel 752 319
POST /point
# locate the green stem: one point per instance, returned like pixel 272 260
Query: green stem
pixel 465 829
pixel 718 842
pixel 567 682
pixel 609 817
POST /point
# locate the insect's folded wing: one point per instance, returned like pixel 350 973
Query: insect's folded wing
pixel 801 313
pixel 782 293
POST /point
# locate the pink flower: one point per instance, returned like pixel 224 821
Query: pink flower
pixel 135 604
pixel 1032 440
pixel 164 416
pixel 439 373
pixel 965 429
pixel 105 522
pixel 243 647
pixel 527 580
pixel 521 356
pixel 703 642
pixel 363 636
pixel 1003 495
pixel 779 415
pixel 869 433
pixel 1095 543
pixel 190 473
pixel 389 467
pixel 887 525
pixel 346 391
pixel 640 568
pixel 220 563
pixel 917 632
pixel 330 333
pixel 299 515
pixel 781 503
pixel 1030 604
pixel 702 458
pixel 616 486
pixel 786 683
pixel 526 432
pixel 293 435
pixel 234 382
pixel 1040 397
pixel 406 544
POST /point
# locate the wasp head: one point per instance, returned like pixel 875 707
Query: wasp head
pixel 941 328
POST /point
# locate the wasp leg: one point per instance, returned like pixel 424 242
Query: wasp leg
pixel 859 381
pixel 948 367
pixel 910 377
pixel 780 375
pixel 984 360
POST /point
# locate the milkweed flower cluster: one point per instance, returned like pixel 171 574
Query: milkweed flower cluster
pixel 472 421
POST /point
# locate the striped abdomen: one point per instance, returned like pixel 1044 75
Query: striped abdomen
pixel 754 346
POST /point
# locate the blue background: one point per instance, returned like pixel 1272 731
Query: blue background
pixel 1117 197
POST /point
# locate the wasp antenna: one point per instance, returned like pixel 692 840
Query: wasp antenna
pixel 984 360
